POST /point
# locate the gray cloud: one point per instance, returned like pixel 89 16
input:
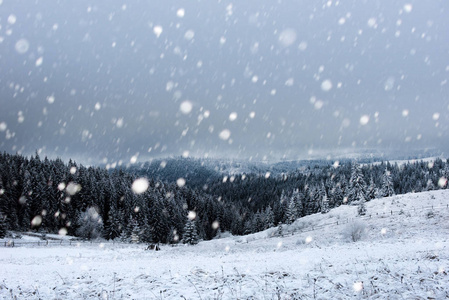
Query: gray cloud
pixel 304 78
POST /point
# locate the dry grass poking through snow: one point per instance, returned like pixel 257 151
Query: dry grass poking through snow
pixel 400 252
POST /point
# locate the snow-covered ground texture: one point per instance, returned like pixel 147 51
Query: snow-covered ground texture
pixel 403 254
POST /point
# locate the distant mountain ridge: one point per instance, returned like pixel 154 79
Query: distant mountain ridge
pixel 200 171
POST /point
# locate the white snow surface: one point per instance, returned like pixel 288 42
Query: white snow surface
pixel 404 254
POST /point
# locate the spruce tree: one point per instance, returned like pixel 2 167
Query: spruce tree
pixel 357 185
pixel 430 186
pixel 268 218
pixel 113 226
pixel 387 184
pixel 135 233
pixel 371 192
pixel 297 198
pixel 292 211
pixel 2 226
pixel 361 209
pixel 445 176
pixel 338 195
pixel 325 205
pixel 279 230
pixel 190 235
pixel 90 224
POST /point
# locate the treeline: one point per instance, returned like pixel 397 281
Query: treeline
pixel 54 197
pixel 270 200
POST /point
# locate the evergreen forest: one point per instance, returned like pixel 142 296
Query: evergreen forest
pixel 50 196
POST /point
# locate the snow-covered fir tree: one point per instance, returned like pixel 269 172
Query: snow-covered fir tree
pixel 279 230
pixel 444 177
pixel 292 211
pixel 173 237
pixel 361 208
pixel 338 195
pixel 268 218
pixel 113 226
pixel 430 186
pixel 372 190
pixel 135 233
pixel 297 198
pixel 90 224
pixel 2 226
pixel 190 235
pixel 325 205
pixel 124 237
pixel 387 184
pixel 357 185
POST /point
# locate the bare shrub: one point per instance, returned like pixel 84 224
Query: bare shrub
pixel 354 231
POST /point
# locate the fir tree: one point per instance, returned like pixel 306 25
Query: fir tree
pixel 124 237
pixel 297 198
pixel 90 224
pixel 135 233
pixel 113 227
pixel 325 205
pixel 173 237
pixel 338 195
pixel 268 218
pixel 371 192
pixel 430 186
pixel 357 185
pixel 190 235
pixel 2 226
pixel 445 177
pixel 292 212
pixel 279 230
pixel 387 184
pixel 361 208
pixel 258 222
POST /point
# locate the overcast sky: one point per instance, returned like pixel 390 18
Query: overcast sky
pixel 101 81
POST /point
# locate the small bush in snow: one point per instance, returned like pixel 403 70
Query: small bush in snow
pixel 354 231
pixel 90 224
pixel 300 242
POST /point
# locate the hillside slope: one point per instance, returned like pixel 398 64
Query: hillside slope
pixel 404 254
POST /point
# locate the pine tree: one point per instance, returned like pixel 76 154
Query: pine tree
pixel 268 218
pixel 445 177
pixel 135 233
pixel 292 211
pixel 371 192
pixel 173 237
pixel 325 205
pixel 338 195
pixel 113 227
pixel 190 235
pixel 297 198
pixel 279 230
pixel 2 226
pixel 387 184
pixel 90 224
pixel 361 209
pixel 159 222
pixel 258 222
pixel 357 185
pixel 124 237
pixel 430 186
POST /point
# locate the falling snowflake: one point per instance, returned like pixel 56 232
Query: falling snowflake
pixel 225 134
pixel 140 186
pixel 181 182
pixel 186 107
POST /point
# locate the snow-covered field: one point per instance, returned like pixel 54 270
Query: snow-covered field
pixel 404 254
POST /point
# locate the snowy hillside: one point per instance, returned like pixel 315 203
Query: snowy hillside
pixel 403 254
